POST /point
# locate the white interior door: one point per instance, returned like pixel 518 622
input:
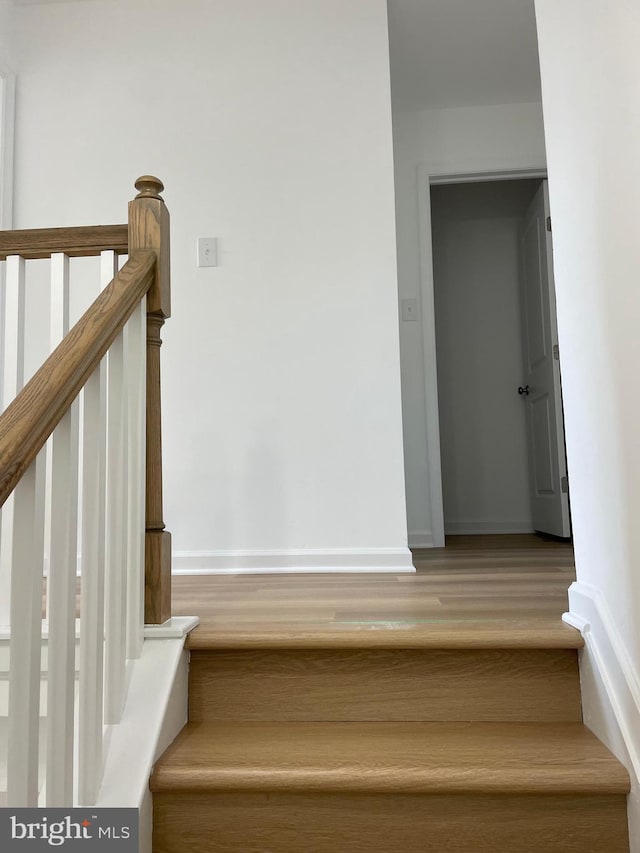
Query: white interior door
pixel 540 390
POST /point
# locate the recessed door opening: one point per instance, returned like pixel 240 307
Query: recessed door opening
pixel 499 400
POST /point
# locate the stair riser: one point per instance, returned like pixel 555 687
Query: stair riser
pixel 327 823
pixel 527 685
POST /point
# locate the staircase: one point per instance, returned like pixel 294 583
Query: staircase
pixel 446 739
pixel 80 498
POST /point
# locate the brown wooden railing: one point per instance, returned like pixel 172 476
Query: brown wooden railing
pixel 30 419
pixel 80 242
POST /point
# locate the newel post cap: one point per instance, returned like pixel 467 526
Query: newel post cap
pixel 149 187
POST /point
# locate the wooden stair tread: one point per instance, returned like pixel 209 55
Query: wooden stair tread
pixel 471 633
pixel 418 757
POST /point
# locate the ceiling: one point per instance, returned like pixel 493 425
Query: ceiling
pixel 462 53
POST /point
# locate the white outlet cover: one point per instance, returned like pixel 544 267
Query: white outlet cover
pixel 409 310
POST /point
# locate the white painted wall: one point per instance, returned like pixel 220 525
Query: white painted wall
pixel 483 437
pixel 7 100
pixel 6 14
pixel 591 91
pixel 443 141
pixel 270 124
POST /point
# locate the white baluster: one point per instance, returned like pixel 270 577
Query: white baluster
pixel 26 641
pixel 62 570
pixel 21 558
pixel 5 582
pixel 3 267
pixel 115 581
pixel 91 693
pixel 12 382
pixel 136 350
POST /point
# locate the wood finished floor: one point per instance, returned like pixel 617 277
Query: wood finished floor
pixel 436 711
pixel 475 591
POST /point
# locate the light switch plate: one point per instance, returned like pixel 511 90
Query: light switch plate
pixel 207 251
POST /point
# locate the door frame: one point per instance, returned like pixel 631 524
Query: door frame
pixel 7 124
pixel 429 176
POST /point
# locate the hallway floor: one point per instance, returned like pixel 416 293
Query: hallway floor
pixel 477 589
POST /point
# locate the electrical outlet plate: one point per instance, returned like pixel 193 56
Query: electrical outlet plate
pixel 409 309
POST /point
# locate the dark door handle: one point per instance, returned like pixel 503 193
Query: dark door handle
pixel 524 390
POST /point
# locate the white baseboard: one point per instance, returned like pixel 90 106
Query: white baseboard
pixel 307 560
pixel 610 686
pixel 420 539
pixel 469 528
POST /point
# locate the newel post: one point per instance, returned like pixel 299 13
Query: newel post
pixel 149 229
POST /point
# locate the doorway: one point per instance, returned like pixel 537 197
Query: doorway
pixel 500 418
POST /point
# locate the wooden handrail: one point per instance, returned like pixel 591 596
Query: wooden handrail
pixel 30 419
pixel 83 241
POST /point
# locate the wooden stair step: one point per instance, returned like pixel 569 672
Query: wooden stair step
pixel 342 684
pixel 506 758
pixel 380 633
pixel 388 788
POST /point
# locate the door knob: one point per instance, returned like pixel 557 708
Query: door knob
pixel 524 390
